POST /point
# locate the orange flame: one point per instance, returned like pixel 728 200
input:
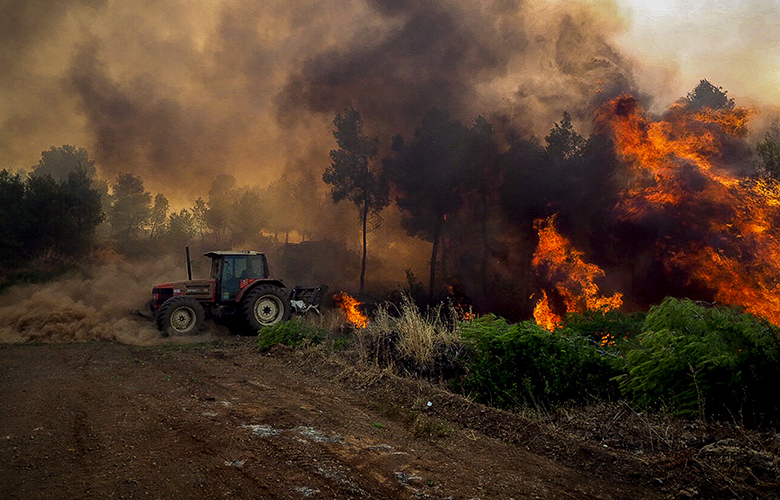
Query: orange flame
pixel 558 263
pixel 349 308
pixel 680 167
pixel 460 304
pixel 544 315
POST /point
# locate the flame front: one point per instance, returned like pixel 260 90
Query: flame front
pixel 557 262
pixel 720 223
pixel 349 308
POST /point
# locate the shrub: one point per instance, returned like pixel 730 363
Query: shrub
pixel 292 333
pixel 524 364
pixel 610 329
pixel 705 361
pixel 412 342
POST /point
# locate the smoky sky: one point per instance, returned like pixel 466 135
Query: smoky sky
pixel 178 92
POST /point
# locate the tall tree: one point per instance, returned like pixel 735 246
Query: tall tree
pixel 181 228
pixel 247 215
pixel 85 209
pixel 221 197
pixel 159 215
pixel 199 218
pixel 42 214
pixel 707 95
pixel 131 207
pixel 12 216
pixel 281 207
pixel 429 172
pixel 483 175
pixel 563 141
pixel 61 161
pixel 352 175
pixel 769 150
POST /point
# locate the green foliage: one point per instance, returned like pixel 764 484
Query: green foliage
pixel 62 161
pixel 523 364
pixel 707 95
pixel 131 207
pixel 41 214
pixel 51 271
pixel 769 150
pixel 611 329
pixel 563 141
pixel 706 362
pixel 292 333
pixel 429 174
pixel 352 177
pixel 159 216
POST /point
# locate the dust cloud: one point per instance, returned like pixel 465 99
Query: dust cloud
pixel 86 308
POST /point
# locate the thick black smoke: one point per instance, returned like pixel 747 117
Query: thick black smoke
pixel 460 56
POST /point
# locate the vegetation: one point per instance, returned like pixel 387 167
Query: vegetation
pixel 413 342
pixel 681 358
pixel 456 185
pixel 352 175
pixel 41 214
pixel 769 151
pixel 705 362
pixel 525 365
pixel 291 333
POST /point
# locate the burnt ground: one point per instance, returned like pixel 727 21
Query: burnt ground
pixel 224 420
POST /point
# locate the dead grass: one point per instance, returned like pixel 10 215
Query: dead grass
pixel 409 341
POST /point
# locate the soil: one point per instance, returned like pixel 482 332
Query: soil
pixel 224 420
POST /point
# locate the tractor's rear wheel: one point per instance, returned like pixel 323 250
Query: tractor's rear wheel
pixel 265 305
pixel 180 316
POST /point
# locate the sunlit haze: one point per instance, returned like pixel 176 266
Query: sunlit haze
pixel 733 43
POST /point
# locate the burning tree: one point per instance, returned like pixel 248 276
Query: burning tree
pixel 566 274
pixel 352 176
pixel 713 225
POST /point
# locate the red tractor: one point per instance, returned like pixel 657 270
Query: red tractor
pixel 240 291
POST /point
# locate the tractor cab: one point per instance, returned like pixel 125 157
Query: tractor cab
pixel 234 271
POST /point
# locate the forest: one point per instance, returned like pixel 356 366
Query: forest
pixel 474 192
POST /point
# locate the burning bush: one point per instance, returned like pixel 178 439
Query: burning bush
pixel 706 362
pixel 613 329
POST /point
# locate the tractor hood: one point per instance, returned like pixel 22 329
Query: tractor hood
pixel 182 286
pixel 202 290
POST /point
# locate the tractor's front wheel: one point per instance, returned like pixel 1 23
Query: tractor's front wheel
pixel 180 316
pixel 265 305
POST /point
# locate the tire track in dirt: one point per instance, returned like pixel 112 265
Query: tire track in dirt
pixel 227 421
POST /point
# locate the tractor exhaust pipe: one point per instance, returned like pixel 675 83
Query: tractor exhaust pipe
pixel 189 263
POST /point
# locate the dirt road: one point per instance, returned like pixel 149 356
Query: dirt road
pixel 105 420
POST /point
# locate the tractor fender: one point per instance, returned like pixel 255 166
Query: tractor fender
pixel 274 282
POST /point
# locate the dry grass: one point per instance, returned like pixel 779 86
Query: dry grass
pixel 405 339
pixel 331 320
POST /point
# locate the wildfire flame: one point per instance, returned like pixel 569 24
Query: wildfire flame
pixel 557 262
pixel 349 308
pixel 722 236
pixel 460 304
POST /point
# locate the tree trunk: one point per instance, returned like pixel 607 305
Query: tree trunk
pixel 364 217
pixel 434 255
pixel 485 249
